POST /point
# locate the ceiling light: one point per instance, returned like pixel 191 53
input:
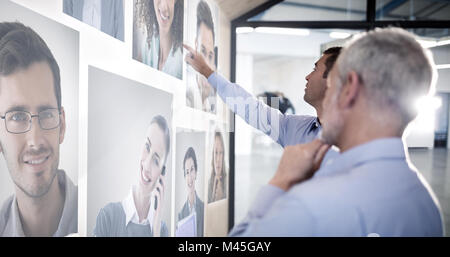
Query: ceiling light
pixel 244 30
pixel 339 35
pixel 429 43
pixel 443 42
pixel 442 66
pixel 283 31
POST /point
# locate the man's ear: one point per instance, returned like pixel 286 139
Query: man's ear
pixel 62 126
pixel 350 90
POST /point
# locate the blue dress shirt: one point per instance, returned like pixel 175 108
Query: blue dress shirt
pixel 371 189
pixel 285 129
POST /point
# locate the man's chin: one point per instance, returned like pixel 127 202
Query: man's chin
pixel 36 191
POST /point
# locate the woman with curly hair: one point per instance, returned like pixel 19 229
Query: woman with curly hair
pixel 160 26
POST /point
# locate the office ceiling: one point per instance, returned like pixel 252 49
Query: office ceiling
pixel 298 10
pixel 236 8
pixel 347 10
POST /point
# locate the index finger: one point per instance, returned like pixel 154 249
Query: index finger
pixel 190 49
pixel 315 145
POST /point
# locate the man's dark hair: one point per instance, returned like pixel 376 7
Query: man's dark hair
pixel 190 154
pixel 162 123
pixel 20 47
pixel 204 16
pixel 333 53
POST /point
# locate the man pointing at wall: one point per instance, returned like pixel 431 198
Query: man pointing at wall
pixel 283 129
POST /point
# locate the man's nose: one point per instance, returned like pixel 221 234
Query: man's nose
pixel 35 134
pixel 307 77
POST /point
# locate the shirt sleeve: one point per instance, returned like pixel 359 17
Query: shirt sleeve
pixel 275 213
pixel 254 112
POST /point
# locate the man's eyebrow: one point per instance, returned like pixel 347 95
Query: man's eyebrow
pixel 45 107
pixel 18 108
pixel 24 108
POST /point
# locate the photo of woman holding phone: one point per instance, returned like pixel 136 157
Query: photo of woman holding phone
pixel 139 214
pixel 158 34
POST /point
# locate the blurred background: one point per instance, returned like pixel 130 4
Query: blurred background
pixel 273 58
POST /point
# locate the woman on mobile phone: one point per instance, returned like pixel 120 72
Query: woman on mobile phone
pixel 139 214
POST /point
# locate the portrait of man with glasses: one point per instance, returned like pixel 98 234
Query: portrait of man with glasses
pixel 32 128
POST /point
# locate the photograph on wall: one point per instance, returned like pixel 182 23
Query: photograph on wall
pixel 158 34
pixel 39 65
pixel 217 181
pixel 104 15
pixel 129 158
pixel 203 27
pixel 189 183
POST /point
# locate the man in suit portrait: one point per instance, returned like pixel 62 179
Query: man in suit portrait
pixel 193 203
pixel 105 15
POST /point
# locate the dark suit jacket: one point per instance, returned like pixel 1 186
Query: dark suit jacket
pixel 112 15
pixel 199 206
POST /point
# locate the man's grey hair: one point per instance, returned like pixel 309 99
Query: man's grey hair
pixel 393 67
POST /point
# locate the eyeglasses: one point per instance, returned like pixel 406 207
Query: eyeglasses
pixel 18 122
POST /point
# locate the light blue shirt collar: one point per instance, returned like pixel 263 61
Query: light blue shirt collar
pixel 378 149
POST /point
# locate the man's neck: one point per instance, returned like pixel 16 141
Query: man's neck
pixel 41 216
pixel 191 197
pixel 318 108
pixel 360 130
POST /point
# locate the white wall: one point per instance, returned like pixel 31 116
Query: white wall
pixel 112 55
pixel 287 75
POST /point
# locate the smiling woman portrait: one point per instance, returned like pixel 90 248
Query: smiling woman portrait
pixel 139 214
pixel 217 185
pixel 158 35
